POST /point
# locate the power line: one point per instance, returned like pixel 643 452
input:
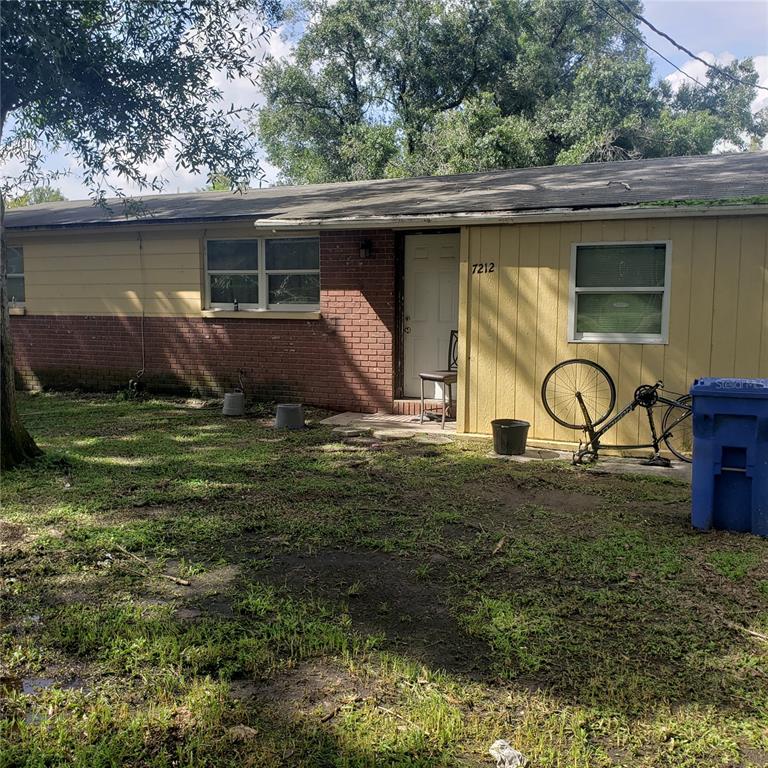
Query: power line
pixel 682 48
pixel 639 37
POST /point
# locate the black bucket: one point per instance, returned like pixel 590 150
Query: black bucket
pixel 509 436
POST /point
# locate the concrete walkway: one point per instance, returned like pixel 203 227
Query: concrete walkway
pixel 607 465
pixel 384 426
pixel 390 424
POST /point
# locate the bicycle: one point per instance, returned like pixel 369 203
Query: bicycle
pixel 580 394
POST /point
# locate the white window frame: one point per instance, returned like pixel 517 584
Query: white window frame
pixel 263 274
pixel 12 303
pixel 621 338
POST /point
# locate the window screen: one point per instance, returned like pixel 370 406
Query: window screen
pixel 620 292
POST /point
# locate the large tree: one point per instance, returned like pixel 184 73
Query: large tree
pixel 407 87
pixel 119 85
pixel 368 77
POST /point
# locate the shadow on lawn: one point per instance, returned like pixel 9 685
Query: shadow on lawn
pixel 354 732
pixel 384 595
pixel 598 607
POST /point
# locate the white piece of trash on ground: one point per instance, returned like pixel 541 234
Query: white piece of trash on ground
pixel 506 755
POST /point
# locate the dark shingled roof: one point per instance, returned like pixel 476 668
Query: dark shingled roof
pixel 593 185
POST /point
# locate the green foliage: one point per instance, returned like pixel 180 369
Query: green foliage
pixel 518 634
pixel 120 84
pixel 218 183
pixel 734 565
pixel 43 194
pixel 369 77
pixel 476 137
pixel 410 87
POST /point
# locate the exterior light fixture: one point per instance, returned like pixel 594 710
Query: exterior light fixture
pixel 365 249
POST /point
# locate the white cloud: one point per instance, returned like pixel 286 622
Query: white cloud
pixel 698 71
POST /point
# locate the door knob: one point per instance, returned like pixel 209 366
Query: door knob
pixel 407 329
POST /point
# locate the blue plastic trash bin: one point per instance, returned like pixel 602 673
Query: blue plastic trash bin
pixel 730 454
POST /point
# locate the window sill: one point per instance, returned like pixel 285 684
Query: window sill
pixel 261 314
pixel 619 339
pixel 17 310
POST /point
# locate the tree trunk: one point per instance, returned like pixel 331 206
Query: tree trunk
pixel 16 444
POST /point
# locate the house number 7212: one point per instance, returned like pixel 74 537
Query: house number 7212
pixel 483 267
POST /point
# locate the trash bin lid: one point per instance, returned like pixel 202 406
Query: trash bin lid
pixel 724 387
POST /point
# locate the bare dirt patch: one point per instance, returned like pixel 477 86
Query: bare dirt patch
pixel 87 586
pixel 384 594
pixel 319 686
pixel 201 585
pixel 11 533
pixel 14 538
pixel 154 512
pixel 511 494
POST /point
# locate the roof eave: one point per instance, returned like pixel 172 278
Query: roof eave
pixel 158 221
pixel 405 221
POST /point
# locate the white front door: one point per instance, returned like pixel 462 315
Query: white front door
pixel 431 307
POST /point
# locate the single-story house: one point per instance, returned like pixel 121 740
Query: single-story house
pixel 340 294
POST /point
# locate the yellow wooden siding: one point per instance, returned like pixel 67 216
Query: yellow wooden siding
pixel 157 273
pixel 718 323
pixel 462 353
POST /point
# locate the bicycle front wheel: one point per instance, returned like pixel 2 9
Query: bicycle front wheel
pixel 590 380
pixel 677 426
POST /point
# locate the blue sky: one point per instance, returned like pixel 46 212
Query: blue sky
pixel 718 30
pixel 737 26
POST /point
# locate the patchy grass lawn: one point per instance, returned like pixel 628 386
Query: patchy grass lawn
pixel 348 604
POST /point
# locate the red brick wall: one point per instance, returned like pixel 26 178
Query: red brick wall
pixel 344 360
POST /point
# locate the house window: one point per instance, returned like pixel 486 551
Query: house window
pixel 260 274
pixel 15 274
pixel 233 274
pixel 620 293
pixel 292 267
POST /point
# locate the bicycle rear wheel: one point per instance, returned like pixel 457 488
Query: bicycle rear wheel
pixel 678 422
pixel 592 381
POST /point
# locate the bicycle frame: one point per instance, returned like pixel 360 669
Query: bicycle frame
pixel 593 445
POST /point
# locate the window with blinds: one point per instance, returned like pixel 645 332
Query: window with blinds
pixel 619 293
